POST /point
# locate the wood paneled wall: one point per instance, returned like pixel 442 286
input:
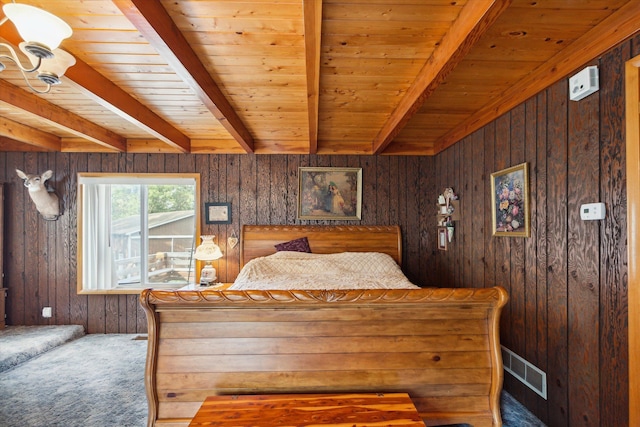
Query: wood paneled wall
pixel 567 312
pixel 567 283
pixel 40 256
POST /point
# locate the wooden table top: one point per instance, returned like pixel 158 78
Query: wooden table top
pixel 352 410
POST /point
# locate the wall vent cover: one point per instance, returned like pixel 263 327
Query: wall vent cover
pixel 528 374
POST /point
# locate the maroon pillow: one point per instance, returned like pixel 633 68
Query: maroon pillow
pixel 297 245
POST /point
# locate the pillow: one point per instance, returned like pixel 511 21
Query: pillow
pixel 296 245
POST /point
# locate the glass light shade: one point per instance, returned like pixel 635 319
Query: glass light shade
pixel 207 250
pixel 51 68
pixel 36 25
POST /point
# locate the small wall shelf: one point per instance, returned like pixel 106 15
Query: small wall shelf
pixel 452 213
pixel 448 207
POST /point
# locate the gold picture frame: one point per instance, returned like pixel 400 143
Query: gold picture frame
pixel 510 201
pixel 330 193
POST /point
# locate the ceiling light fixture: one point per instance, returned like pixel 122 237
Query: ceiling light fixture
pixel 42 33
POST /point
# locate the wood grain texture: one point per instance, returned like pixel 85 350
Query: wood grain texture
pixel 582 261
pixel 567 282
pixel 613 259
pixel 632 107
pixel 333 77
pixel 258 188
pixel 405 196
pixel 557 197
pixel 517 250
pixel 205 343
pixel 260 240
pixel 541 325
pixel 308 410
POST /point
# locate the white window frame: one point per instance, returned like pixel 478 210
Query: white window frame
pixel 88 269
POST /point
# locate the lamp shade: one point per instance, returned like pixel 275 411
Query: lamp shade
pixel 55 66
pixel 207 250
pixel 36 25
pixel 59 64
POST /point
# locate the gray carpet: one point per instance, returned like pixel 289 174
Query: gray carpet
pixel 21 343
pixel 98 381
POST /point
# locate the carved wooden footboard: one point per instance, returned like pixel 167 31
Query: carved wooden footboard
pixel 439 345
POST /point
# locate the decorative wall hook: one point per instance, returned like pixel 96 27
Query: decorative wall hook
pixel 232 240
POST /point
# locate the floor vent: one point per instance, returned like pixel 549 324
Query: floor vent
pixel 524 371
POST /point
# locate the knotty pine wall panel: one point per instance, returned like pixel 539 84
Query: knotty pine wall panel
pixel 41 256
pixel 567 312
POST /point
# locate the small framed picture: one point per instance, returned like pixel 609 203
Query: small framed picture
pixel 442 238
pixel 217 213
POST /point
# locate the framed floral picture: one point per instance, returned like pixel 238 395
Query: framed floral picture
pixel 510 201
pixel 330 193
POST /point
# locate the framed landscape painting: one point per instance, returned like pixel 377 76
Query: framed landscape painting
pixel 329 193
pixel 510 201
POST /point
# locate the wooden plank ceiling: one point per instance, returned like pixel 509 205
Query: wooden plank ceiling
pixel 404 77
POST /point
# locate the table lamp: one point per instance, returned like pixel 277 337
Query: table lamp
pixel 207 251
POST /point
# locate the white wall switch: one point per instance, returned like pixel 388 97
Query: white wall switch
pixel 46 312
pixel 592 211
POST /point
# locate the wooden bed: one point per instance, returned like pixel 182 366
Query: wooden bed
pixel 439 345
pixel 260 240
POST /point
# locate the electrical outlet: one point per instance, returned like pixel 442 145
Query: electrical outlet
pixel 46 312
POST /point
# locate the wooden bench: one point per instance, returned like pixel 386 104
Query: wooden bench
pixel 273 410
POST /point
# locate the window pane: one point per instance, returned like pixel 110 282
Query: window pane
pixel 171 221
pixel 125 233
pixel 137 232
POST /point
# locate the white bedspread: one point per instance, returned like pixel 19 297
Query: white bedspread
pixel 301 270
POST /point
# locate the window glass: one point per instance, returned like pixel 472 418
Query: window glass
pixel 137 231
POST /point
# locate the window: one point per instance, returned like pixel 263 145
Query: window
pixel 136 231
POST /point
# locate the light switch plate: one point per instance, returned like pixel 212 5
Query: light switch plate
pixel 592 211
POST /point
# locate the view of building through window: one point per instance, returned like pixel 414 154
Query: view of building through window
pixel 142 232
pixel 169 239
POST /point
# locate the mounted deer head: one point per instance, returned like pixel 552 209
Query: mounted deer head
pixel 46 201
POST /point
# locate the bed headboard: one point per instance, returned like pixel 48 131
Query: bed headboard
pixel 259 240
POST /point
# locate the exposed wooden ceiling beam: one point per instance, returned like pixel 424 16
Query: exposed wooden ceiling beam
pixel 81 145
pixel 475 18
pixel 615 29
pixel 97 87
pixel 28 135
pixel 104 92
pixel 312 39
pixel 156 25
pixel 9 144
pixel 59 117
